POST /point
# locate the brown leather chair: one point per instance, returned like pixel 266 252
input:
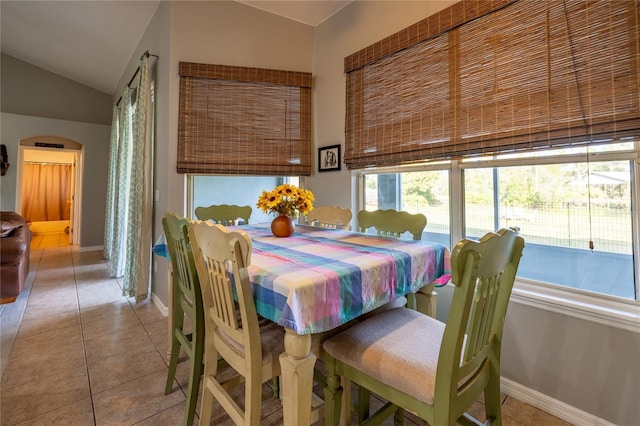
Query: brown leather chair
pixel 15 240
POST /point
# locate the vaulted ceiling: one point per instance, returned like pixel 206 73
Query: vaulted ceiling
pixel 91 42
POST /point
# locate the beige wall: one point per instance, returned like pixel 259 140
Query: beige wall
pixel 95 142
pixel 37 102
pixel 355 27
pixel 563 363
pixel 217 32
pixel 229 33
pixel 29 90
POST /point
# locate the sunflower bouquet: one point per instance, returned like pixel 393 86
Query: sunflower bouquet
pixel 286 199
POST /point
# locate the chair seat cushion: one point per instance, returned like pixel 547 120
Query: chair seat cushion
pixel 398 347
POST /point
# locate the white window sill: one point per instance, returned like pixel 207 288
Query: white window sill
pixel 603 310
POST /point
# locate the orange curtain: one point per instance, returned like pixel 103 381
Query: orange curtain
pixel 46 192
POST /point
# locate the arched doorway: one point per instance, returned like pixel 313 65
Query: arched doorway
pixel 48 193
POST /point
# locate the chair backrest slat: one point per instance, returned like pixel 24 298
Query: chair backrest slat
pixel 223 303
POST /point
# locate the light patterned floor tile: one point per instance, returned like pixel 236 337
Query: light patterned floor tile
pixel 134 401
pixel 99 293
pixel 39 365
pixel 148 312
pixel 52 289
pixel 24 402
pixel 510 421
pixel 55 277
pixel 90 277
pixel 52 309
pixel 106 373
pixel 48 339
pixel 529 415
pixel 93 259
pixel 47 353
pixel 79 413
pixel 117 343
pixel 36 324
pixel 105 311
pixel 170 417
pixel 107 325
pixel 159 334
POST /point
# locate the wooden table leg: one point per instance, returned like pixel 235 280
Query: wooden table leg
pixel 426 300
pixel 297 363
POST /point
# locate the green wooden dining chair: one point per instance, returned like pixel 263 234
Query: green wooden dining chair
pixel 434 370
pixel 392 223
pixel 249 344
pixel 224 214
pixel 396 223
pixel 330 217
pixel 186 300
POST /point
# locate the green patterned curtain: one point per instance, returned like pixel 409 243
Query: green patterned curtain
pixel 121 188
pixel 139 232
pixel 129 214
pixel 111 185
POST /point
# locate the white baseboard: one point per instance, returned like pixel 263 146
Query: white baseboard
pixel 552 406
pixel 164 310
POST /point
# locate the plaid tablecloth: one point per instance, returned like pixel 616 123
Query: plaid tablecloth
pixel 318 279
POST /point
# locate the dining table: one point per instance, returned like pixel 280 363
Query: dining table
pixel 318 281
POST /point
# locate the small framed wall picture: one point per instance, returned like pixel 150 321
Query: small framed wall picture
pixel 329 158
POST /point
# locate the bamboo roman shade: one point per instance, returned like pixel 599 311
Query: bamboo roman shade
pixel 244 121
pixel 531 74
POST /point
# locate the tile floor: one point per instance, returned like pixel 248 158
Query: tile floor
pixel 49 234
pixel 85 355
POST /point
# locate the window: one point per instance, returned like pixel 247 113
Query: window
pixel 206 190
pixel 560 209
pixel 536 114
pixel 425 192
pixel 558 200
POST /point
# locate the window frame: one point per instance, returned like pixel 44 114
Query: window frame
pixel 600 308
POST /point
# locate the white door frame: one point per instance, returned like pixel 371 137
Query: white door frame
pixel 77 151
